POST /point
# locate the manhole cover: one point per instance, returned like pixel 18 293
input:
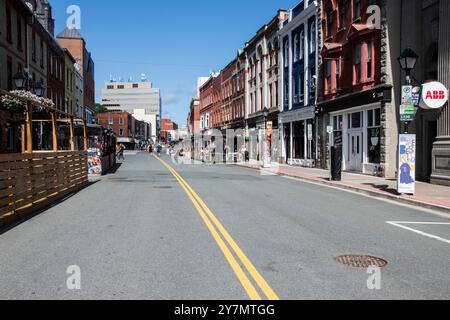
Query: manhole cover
pixel 162 187
pixel 361 261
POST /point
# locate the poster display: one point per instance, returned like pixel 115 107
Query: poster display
pixel 407 164
pixel 94 162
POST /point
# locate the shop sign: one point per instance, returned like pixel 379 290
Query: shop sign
pixel 406 180
pixel 330 129
pixel 434 95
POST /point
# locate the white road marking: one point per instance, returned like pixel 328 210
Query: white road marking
pixel 399 225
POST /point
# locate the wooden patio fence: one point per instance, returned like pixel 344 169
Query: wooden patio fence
pixel 34 179
pixel 31 181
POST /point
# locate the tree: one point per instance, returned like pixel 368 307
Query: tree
pixel 100 109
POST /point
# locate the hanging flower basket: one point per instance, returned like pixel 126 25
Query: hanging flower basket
pixel 17 101
pixel 13 104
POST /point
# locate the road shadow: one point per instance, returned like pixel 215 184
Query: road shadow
pixel 24 217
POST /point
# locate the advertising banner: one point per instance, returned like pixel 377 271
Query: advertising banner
pixel 407 164
pixel 94 162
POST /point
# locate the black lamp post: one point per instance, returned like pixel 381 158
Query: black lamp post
pixel 39 89
pixel 408 60
pixel 22 81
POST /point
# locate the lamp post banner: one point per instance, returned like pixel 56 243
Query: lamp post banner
pixel 407 164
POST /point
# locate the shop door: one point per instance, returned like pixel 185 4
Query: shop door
pixel 355 145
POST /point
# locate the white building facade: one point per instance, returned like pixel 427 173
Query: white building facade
pixel 299 69
pixel 139 99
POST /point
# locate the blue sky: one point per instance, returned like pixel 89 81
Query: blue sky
pixel 172 41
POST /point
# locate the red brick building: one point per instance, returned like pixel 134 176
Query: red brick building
pixel 207 103
pixel 125 126
pixel 355 101
pixel 75 43
pixel 193 120
pixel 167 126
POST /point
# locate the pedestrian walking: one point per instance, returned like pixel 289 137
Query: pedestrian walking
pixel 120 148
pixel 158 149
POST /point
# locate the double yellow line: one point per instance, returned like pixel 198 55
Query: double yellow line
pixel 220 234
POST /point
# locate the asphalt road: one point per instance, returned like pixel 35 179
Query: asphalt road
pixel 216 232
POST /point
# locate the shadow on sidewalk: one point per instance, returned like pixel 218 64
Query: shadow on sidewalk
pixel 385 188
pixel 25 216
pixel 114 169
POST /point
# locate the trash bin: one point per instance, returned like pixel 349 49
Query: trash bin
pixel 336 163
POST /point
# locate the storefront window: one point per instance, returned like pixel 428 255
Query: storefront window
pixel 374 136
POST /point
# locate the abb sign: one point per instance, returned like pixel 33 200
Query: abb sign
pixel 434 95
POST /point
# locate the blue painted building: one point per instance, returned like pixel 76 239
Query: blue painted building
pixel 299 60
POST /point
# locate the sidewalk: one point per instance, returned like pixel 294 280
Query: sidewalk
pixel 427 195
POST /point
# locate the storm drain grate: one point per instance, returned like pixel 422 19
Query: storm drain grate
pixel 361 261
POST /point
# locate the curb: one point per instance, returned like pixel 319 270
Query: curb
pixel 394 198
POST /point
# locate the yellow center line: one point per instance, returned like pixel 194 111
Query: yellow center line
pixel 202 208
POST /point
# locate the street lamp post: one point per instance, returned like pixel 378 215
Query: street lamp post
pixel 407 143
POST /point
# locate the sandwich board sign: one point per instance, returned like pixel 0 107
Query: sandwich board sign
pixel 406 180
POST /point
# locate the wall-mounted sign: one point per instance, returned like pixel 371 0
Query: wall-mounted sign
pixel 407 94
pixel 407 112
pixel 330 129
pixel 406 182
pixel 434 96
pixel 416 95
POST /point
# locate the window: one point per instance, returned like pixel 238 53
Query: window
pixel 358 71
pixel 42 54
pixel 121 132
pixel 328 78
pixel 330 22
pixel 33 47
pixel 342 14
pixel 338 123
pixel 110 87
pixel 9 74
pixel 355 120
pixel 120 87
pixel 296 89
pixel 135 85
pixel 296 48
pixel 337 75
pixel 286 54
pixel 121 122
pixel 374 136
pixel 356 9
pixel 8 25
pixel 312 38
pixel 110 121
pixel 302 45
pixel 369 60
pixel 19 34
pixel 302 87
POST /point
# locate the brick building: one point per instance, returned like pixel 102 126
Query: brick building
pixel 193 120
pixel 357 95
pixel 75 43
pixel 263 79
pixel 125 126
pixel 168 127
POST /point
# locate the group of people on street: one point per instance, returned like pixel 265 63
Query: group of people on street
pixel 120 150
